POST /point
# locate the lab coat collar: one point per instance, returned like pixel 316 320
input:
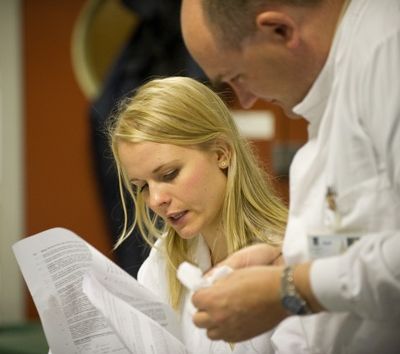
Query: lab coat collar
pixel 202 255
pixel 314 104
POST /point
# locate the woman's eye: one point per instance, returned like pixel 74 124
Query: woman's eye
pixel 170 176
pixel 138 189
pixel 142 188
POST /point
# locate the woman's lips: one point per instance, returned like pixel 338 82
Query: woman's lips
pixel 177 218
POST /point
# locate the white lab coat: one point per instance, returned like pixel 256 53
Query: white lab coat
pixel 354 141
pixel 152 274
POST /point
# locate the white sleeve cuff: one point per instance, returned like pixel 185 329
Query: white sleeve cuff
pixel 326 284
pixel 365 280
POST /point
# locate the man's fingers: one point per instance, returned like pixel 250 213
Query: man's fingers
pixel 260 254
pixel 214 334
pixel 203 320
pixel 200 299
pixel 234 262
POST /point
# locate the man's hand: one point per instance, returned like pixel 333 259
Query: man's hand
pixel 241 305
pixel 259 254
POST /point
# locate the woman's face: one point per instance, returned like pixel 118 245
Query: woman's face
pixel 184 185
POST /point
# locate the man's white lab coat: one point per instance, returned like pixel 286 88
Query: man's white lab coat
pixel 346 181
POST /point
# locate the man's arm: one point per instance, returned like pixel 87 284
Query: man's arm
pixel 365 280
pixel 248 301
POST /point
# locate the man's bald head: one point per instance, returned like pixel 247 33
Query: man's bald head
pixel 233 20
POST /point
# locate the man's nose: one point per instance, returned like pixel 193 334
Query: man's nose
pixel 246 98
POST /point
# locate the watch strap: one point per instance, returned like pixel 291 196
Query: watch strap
pixel 291 299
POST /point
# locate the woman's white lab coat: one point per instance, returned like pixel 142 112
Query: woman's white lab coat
pixel 153 275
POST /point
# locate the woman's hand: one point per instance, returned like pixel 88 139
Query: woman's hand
pixel 255 255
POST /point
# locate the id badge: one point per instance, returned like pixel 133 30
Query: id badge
pixel 330 242
pixel 327 245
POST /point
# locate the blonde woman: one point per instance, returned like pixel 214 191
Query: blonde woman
pixel 180 157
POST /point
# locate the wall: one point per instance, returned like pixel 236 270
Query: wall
pixel 11 169
pixel 60 183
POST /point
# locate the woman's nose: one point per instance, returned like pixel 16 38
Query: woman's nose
pixel 158 198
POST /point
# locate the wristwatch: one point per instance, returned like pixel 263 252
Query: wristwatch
pixel 291 300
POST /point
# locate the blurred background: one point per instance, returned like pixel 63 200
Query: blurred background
pixel 63 66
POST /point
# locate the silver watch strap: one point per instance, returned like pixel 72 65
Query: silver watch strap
pixel 291 298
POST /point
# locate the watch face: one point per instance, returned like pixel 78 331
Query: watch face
pixel 293 304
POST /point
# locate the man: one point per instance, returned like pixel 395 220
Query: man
pixel 337 64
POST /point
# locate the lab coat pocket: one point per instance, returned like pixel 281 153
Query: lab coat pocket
pixel 369 206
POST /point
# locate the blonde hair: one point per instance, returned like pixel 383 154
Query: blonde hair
pixel 182 111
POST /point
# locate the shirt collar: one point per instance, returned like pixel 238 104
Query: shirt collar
pixel 202 254
pixel 313 105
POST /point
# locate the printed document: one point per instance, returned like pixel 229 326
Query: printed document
pixel 87 304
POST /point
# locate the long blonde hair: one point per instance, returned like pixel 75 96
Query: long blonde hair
pixel 181 111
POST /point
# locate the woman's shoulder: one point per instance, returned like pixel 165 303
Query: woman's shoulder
pixel 156 258
pixel 156 255
pixel 152 274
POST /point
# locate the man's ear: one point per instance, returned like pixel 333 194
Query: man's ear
pixel 279 27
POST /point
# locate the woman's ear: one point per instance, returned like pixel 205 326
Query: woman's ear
pixel 223 150
pixel 279 27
